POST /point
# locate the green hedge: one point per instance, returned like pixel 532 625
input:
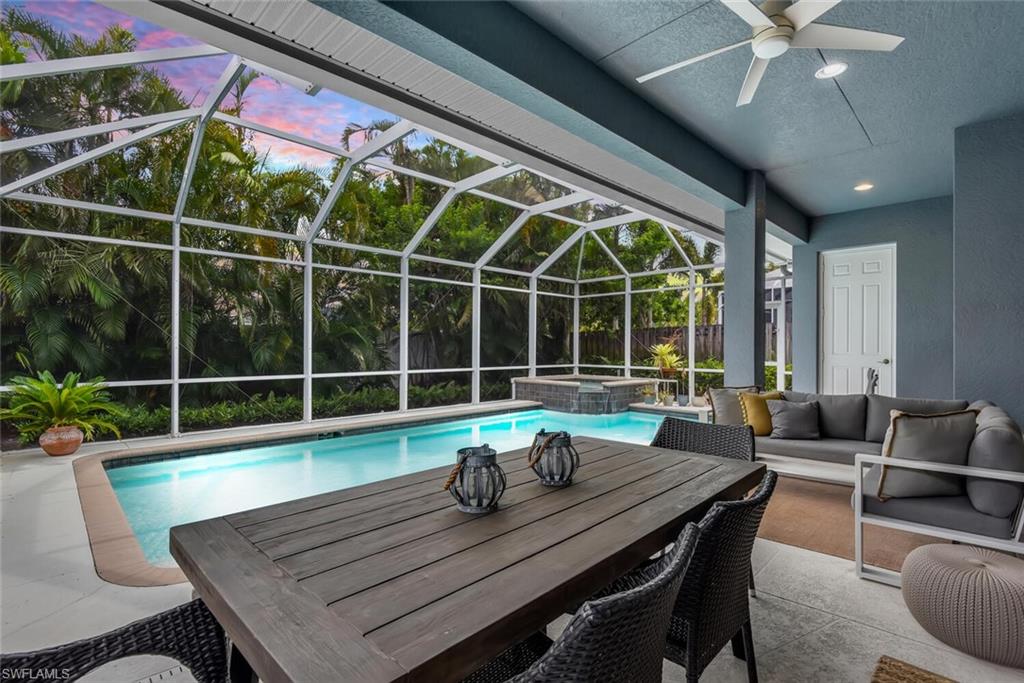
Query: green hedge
pixel 141 420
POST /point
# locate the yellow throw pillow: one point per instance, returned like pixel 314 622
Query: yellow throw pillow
pixel 755 411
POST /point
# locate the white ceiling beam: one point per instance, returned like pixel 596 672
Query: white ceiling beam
pixel 86 157
pixel 463 185
pixel 89 206
pixel 51 234
pixel 510 232
pixel 580 232
pixel 278 133
pixel 499 199
pixel 302 84
pixel 402 170
pixel 213 99
pixel 675 243
pixel 472 149
pixel 579 261
pixel 521 219
pixel 8 146
pixel 356 157
pixel 56 67
pixel 561 202
pixel 611 254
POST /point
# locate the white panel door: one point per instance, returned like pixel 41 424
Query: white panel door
pixel 858 330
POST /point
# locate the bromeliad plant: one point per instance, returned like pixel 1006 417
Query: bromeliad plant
pixel 60 415
pixel 666 358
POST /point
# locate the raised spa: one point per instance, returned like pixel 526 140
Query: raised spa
pixel 589 394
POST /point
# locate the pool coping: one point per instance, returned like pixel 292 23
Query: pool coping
pixel 117 556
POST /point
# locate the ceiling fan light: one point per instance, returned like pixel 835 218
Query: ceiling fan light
pixel 863 187
pixel 830 70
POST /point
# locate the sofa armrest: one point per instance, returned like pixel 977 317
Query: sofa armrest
pixel 864 460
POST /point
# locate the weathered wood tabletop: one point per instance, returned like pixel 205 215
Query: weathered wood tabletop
pixel 389 582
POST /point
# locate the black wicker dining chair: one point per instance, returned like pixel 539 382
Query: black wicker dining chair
pixel 187 633
pixel 619 637
pixel 724 441
pixel 712 608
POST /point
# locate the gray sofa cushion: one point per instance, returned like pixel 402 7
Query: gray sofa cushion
pixel 725 402
pixel 825 450
pixel 879 407
pixel 948 512
pixel 997 445
pixel 944 438
pixel 792 420
pixel 840 416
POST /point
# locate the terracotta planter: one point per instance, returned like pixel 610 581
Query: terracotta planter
pixel 61 440
pixel 668 373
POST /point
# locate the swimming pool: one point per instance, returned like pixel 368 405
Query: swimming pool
pixel 158 495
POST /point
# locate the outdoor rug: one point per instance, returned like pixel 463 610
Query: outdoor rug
pixel 818 516
pixel 891 670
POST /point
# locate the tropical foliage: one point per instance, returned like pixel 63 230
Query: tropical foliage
pixel 105 309
pixel 37 404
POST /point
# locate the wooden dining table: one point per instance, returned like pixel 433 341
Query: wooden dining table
pixel 390 582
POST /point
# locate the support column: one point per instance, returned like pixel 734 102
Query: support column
pixel 403 337
pixel 627 324
pixel 175 330
pixel 780 338
pixel 744 288
pixel 307 334
pixel 576 327
pixel 476 313
pixel 532 343
pixel 691 336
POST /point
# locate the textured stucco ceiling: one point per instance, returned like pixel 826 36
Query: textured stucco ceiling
pixel 889 119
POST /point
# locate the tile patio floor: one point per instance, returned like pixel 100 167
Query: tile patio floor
pixel 813 619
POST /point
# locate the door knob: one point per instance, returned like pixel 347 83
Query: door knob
pixel 885 361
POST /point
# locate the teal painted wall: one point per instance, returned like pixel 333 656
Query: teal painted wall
pixel 989 262
pixel 923 234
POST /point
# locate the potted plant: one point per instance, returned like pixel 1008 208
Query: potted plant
pixel 667 399
pixel 61 415
pixel 648 393
pixel 666 359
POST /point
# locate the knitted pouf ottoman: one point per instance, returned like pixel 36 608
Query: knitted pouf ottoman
pixel 970 598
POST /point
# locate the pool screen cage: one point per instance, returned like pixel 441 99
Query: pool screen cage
pixel 558 242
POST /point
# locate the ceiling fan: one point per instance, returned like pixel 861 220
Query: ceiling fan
pixel 777 26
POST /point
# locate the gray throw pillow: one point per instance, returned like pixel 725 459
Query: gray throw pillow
pixel 943 438
pixel 791 420
pixel 725 402
pixel 840 416
pixel 879 407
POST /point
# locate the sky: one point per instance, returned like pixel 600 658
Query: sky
pixel 321 118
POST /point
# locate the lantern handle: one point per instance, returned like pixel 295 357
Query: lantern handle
pixel 534 456
pixel 454 473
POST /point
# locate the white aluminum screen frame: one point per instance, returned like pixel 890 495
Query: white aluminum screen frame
pixel 161 123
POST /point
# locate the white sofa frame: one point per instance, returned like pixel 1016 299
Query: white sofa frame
pixel 887 576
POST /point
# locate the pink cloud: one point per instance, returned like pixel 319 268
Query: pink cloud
pixel 89 20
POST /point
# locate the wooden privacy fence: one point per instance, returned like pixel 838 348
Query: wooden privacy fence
pixel 709 342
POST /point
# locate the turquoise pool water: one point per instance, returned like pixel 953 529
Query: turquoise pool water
pixel 156 496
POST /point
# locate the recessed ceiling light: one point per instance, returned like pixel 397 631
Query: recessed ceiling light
pixel 863 187
pixel 830 70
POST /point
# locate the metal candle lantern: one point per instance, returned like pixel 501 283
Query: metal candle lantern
pixel 554 458
pixel 477 481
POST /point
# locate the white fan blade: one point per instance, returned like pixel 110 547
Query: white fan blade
pixel 753 79
pixel 688 62
pixel 829 37
pixel 804 12
pixel 748 12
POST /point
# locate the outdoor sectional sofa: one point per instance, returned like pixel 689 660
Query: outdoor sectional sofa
pixel 989 511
